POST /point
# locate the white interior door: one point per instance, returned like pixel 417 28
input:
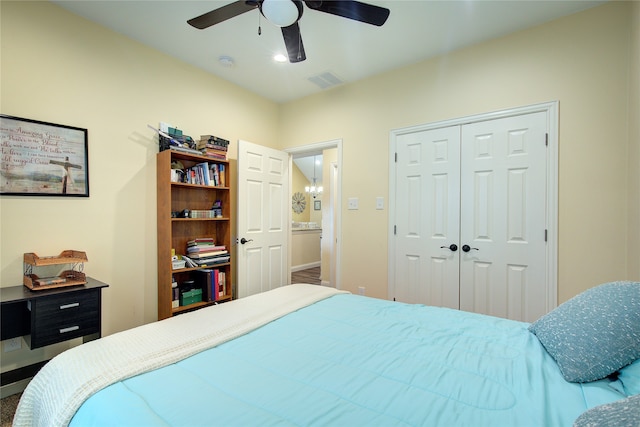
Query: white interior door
pixel 263 219
pixel 502 220
pixel 428 217
pixel 483 186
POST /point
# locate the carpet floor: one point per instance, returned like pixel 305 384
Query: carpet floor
pixel 8 407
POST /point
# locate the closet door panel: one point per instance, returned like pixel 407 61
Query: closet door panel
pixel 428 216
pixel 503 181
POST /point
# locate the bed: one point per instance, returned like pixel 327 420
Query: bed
pixel 310 355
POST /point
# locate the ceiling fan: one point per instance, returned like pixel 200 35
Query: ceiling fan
pixel 287 13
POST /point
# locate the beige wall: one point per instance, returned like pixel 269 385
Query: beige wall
pixel 581 60
pixel 60 68
pixel 633 237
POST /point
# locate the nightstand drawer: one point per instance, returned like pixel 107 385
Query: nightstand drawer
pixel 65 316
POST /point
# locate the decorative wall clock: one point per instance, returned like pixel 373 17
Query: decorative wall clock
pixel 298 202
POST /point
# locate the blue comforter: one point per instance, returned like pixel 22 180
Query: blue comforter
pixel 356 361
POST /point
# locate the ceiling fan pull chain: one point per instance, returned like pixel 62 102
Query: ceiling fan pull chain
pixel 259 24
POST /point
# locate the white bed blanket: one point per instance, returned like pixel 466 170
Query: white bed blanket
pixel 63 384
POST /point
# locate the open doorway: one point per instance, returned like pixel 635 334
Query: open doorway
pixel 316 227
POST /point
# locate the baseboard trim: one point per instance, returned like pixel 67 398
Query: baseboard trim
pixel 305 266
pixel 14 388
pixel 20 374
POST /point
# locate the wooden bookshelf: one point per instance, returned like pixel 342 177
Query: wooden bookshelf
pixel 174 232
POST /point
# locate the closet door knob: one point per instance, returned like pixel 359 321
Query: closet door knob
pixel 243 240
pixel 453 247
pixel 468 248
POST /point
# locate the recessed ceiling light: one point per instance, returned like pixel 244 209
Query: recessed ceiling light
pixel 226 61
pixel 279 58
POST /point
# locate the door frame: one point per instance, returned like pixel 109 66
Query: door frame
pixel 551 109
pixel 317 148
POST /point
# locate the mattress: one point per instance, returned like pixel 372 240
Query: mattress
pixel 349 360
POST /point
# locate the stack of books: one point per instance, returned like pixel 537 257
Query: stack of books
pixel 203 252
pixel 213 283
pixel 213 146
pixel 201 174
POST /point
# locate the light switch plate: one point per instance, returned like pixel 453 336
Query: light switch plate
pixel 379 203
pixel 353 203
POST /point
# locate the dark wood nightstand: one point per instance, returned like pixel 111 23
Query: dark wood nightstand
pixel 50 316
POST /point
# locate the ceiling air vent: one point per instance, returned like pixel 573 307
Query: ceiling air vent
pixel 325 80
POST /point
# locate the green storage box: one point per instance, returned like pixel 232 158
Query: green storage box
pixel 175 132
pixel 190 297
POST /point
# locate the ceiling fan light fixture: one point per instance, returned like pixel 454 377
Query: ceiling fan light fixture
pixel 278 57
pixel 281 12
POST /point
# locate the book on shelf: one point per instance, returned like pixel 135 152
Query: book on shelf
pixel 203 262
pixel 201 241
pixel 205 248
pixel 222 284
pixel 202 255
pixel 223 179
pixel 208 280
pixel 214 154
pixel 213 146
pixel 212 141
pixel 185 150
pixel 215 176
pixel 203 170
pixel 200 213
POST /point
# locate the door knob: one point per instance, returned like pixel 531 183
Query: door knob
pixel 243 240
pixel 453 247
pixel 467 248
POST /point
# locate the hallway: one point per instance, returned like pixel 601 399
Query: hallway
pixel 310 275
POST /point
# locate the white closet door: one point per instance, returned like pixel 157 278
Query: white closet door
pixel 502 217
pixel 427 222
pixel 480 186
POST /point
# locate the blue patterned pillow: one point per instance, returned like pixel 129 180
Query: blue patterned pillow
pixel 621 413
pixel 594 333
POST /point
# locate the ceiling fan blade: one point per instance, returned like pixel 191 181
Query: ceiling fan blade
pixel 363 12
pixel 293 42
pixel 222 14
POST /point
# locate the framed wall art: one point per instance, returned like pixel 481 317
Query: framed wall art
pixel 43 159
pixel 317 205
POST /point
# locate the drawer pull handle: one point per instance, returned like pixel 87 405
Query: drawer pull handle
pixel 69 329
pixel 73 304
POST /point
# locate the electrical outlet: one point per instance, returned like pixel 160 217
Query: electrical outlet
pixel 13 344
pixel 379 203
pixel 361 290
